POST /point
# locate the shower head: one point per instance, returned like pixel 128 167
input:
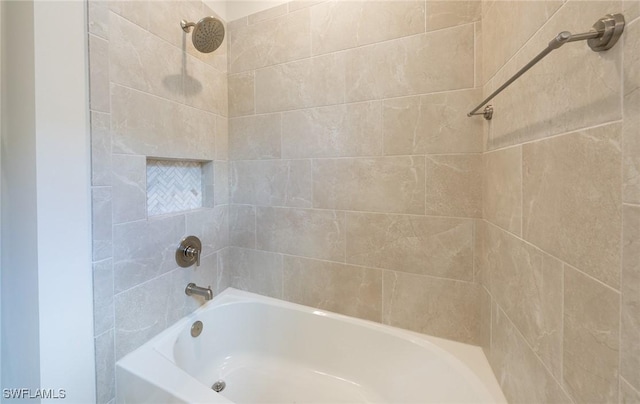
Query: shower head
pixel 207 34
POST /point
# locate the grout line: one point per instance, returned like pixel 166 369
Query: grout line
pixel 561 331
pixel 347 103
pixel 630 385
pixel 357 47
pixel 285 254
pixel 553 256
pixel 522 337
pixel 364 157
pixel 524 45
pixel 475 56
pixel 521 152
pixel 569 132
pixel 383 98
pixel 383 274
pixel 474 230
pixel 148 31
pixel 622 223
pixel 347 211
pixel 346 233
pixel 113 83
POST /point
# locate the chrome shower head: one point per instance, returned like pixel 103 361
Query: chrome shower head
pixel 207 34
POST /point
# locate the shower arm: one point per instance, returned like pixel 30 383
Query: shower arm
pixel 604 35
pixel 186 26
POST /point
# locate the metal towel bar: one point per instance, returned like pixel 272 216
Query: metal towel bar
pixel 604 35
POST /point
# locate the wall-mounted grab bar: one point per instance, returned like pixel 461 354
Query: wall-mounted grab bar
pixel 604 35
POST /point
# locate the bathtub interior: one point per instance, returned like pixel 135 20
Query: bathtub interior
pixel 268 351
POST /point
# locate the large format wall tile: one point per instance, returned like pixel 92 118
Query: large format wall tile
pixel 386 184
pixel 510 24
pixel 255 137
pixel 98 18
pixel 141 313
pixel 204 87
pixel 571 199
pixel 269 42
pixel 254 271
pixel 242 226
pixel 129 199
pixel 222 138
pixel 101 223
pixel 105 366
pixel 268 14
pixel 145 249
pixel 346 289
pixel 98 74
pixel 631 114
pixel 211 226
pixel 302 84
pixel 591 339
pixel 102 296
pixel 527 284
pixel 241 94
pixel 631 9
pixel 140 60
pixel 220 184
pixel 135 11
pixel 272 183
pixel 442 14
pixel 345 130
pixel 147 125
pixel 433 123
pixel 628 395
pixel 308 233
pixel 333 27
pixel 502 189
pixel 100 149
pixel 572 89
pixel 405 66
pixel 439 307
pixel 423 245
pixel 521 375
pixel 164 21
pixel 454 185
pixel 630 289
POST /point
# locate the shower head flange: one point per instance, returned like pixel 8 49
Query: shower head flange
pixel 186 26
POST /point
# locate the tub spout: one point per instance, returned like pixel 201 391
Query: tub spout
pixel 193 289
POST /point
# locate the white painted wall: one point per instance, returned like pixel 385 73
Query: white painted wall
pixel 64 200
pixel 20 325
pixel 1 7
pixel 47 301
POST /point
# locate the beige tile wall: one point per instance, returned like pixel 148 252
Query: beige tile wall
pixel 352 161
pixel 356 183
pixel 558 249
pixel 151 95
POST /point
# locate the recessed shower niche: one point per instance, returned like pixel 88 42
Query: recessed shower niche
pixel 178 185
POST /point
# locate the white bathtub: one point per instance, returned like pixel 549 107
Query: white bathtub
pixel 270 351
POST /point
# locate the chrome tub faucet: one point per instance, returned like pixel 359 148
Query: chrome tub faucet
pixel 193 289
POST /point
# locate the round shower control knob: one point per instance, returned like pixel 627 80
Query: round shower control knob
pixel 189 251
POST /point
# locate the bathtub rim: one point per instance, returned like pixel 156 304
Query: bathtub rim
pixel 158 351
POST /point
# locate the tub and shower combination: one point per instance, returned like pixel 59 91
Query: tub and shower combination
pixel 246 348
